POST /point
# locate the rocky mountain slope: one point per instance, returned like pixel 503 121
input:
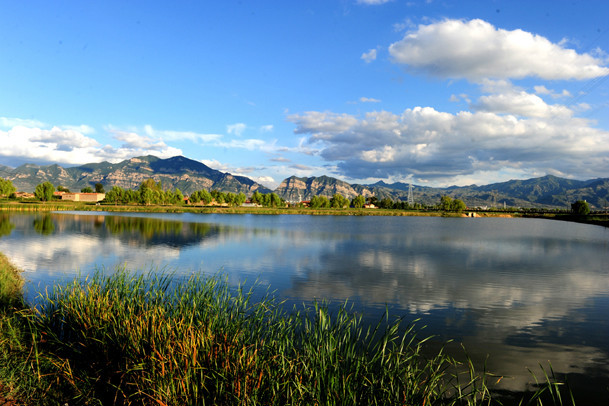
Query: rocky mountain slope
pixel 177 172
pixel 545 192
pixel 189 175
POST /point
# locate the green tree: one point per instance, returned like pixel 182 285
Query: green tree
pixel 205 197
pixel 581 208
pixel 130 196
pixel 63 189
pixel 229 198
pixel 86 190
pixel 218 197
pixel 44 191
pixel 178 197
pixel 115 195
pixel 458 205
pixel 358 202
pixel 338 201
pixel 146 196
pixel 6 187
pixel 319 202
pixel 446 203
pixel 99 188
pixel 256 198
pixel 240 199
pixel 276 201
pixel 386 203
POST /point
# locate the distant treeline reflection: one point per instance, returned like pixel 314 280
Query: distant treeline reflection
pixel 158 231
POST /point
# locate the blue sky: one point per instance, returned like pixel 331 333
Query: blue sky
pixel 432 92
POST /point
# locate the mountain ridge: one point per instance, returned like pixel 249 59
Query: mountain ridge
pixel 189 175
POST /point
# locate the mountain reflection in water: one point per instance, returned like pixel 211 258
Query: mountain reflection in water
pixel 522 291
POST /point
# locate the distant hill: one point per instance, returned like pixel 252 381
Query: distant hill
pixel 189 175
pixel 177 172
pixel 298 189
pixel 545 192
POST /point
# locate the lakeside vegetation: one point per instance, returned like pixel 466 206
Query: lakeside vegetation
pixel 149 339
pixel 150 196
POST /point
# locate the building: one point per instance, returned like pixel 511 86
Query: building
pixel 83 197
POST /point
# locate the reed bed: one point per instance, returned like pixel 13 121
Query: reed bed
pixel 133 339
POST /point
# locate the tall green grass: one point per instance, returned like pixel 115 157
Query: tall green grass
pixel 131 339
pixel 10 283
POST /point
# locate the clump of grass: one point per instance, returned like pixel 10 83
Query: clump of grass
pixel 10 283
pixel 132 339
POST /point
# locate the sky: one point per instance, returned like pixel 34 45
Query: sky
pixel 429 92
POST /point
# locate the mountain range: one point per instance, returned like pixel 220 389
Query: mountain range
pixel 189 176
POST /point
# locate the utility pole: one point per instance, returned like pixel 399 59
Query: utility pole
pixel 410 197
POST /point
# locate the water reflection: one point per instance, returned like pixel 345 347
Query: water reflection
pixel 6 227
pixel 523 291
pixel 44 225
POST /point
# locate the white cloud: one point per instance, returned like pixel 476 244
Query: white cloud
pixel 545 91
pixel 520 103
pixel 251 144
pixel 267 128
pixel 475 50
pixel 70 144
pixel 372 2
pixel 267 181
pixel 83 128
pixel 169 135
pixel 436 146
pixel 10 122
pixel 280 159
pixel 369 56
pixel 369 100
pixel 21 143
pixel 236 129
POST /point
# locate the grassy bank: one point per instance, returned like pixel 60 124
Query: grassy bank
pixel 151 340
pixel 36 206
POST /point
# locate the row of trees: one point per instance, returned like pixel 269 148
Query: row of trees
pixel 205 197
pixel 150 192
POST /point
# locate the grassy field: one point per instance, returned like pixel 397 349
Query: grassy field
pixel 129 339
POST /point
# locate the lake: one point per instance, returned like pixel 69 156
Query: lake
pixel 522 292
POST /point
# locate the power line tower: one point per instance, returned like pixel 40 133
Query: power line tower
pixel 410 197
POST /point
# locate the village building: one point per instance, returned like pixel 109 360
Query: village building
pixel 83 197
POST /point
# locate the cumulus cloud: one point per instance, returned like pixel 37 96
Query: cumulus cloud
pixel 29 141
pixel 369 56
pixel 437 146
pixel 520 103
pixel 267 181
pixel 475 50
pixel 23 143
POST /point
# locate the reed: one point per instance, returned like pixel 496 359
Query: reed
pixel 151 339
pixel 10 283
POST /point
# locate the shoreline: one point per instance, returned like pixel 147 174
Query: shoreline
pixel 598 219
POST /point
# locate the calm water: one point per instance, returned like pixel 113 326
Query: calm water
pixel 522 291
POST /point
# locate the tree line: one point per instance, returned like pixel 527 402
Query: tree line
pixel 151 192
